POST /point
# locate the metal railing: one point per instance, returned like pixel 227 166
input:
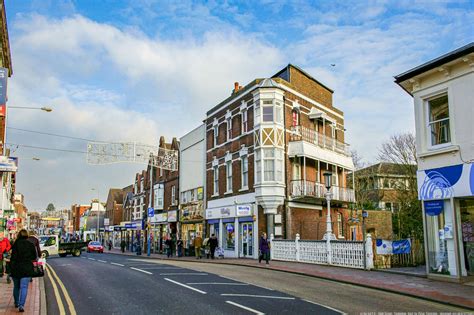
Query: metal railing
pixel 302 188
pixel 309 135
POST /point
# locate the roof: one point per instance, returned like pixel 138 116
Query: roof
pixel 455 54
pixel 385 168
pixel 240 91
pixel 303 72
pixel 6 54
pixel 116 194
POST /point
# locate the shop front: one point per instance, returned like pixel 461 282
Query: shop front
pixel 159 230
pixel 191 223
pixel 448 207
pixel 236 229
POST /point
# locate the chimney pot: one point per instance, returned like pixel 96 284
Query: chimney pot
pixel 236 86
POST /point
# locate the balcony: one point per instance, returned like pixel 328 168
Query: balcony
pixel 300 133
pixel 301 189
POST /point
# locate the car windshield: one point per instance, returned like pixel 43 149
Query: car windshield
pixel 94 243
pixel 43 239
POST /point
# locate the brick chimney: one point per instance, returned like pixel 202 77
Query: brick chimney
pixel 236 87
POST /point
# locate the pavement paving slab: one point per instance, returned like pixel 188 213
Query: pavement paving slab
pixel 33 299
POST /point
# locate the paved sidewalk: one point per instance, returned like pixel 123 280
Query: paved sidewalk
pixel 439 291
pixel 32 305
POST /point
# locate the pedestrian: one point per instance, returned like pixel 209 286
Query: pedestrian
pixel 138 247
pixel 179 243
pixel 122 246
pixel 213 243
pixel 5 246
pixel 169 246
pixel 23 255
pixel 207 249
pixel 110 245
pixel 34 240
pixel 264 247
pixel 197 245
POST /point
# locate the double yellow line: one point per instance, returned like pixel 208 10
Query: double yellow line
pixel 55 279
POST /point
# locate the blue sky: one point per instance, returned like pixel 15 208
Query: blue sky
pixel 135 70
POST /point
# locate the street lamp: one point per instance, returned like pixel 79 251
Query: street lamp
pixel 46 109
pixel 329 236
pixel 98 214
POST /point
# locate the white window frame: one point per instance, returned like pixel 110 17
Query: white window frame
pixel 161 172
pixel 216 134
pixel 216 180
pixel 228 176
pixel 340 231
pixel 245 172
pixel 244 121
pixel 173 195
pixel 296 170
pixel 229 128
pixel 429 123
pixel 158 202
pixel 265 104
pixel 258 166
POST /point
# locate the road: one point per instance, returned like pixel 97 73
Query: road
pixel 115 284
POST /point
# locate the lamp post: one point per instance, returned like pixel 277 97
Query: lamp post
pixel 98 214
pixel 329 236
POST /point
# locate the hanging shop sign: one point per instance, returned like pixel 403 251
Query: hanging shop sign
pixel 172 216
pixel 8 163
pixel 434 207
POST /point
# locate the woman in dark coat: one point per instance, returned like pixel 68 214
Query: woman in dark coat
pixel 23 255
pixel 264 248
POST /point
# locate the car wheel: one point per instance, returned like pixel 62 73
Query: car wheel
pixel 76 253
pixel 44 254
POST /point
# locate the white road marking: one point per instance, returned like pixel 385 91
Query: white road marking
pixel 83 257
pixel 65 265
pixel 255 285
pixel 102 261
pixel 144 271
pixel 183 274
pixel 260 296
pixel 154 268
pixel 218 283
pixel 245 308
pixel 91 258
pixel 116 264
pixel 186 286
pixel 325 306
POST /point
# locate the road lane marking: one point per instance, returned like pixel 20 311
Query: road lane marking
pixel 117 264
pixel 183 274
pixel 260 296
pixel 102 261
pixel 155 268
pixel 56 293
pixel 83 257
pixel 255 285
pixel 72 310
pixel 325 306
pixel 245 308
pixel 218 283
pixel 141 270
pixel 91 258
pixel 186 286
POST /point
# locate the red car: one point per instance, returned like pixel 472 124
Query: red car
pixel 95 247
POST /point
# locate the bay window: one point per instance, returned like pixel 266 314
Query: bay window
pixel 258 166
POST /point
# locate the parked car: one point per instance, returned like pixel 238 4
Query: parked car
pixel 95 247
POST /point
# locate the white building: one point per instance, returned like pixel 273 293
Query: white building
pixel 443 92
pixel 191 184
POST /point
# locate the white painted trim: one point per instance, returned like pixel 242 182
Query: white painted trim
pixel 232 100
pixel 232 200
pixel 304 206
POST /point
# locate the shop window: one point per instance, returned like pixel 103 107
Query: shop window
pixel 245 172
pixel 439 120
pixel 229 236
pixel 216 180
pixel 244 121
pixel 229 176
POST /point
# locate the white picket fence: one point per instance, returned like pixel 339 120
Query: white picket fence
pixel 342 253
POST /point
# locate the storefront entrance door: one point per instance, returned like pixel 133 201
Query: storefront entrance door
pixel 246 239
pixel 467 230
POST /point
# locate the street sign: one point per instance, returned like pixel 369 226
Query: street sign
pixel 151 212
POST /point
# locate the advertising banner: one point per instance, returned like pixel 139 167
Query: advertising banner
pixel 401 247
pixel 8 163
pixel 384 247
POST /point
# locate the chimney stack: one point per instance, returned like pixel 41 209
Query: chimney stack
pixel 236 87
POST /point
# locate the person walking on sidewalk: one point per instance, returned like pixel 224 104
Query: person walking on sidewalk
pixel 4 248
pixel 264 247
pixel 122 246
pixel 34 240
pixel 23 255
pixel 169 247
pixel 213 243
pixel 179 244
pixel 197 245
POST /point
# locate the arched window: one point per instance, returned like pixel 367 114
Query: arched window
pixel 295 118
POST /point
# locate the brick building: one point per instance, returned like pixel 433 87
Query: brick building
pixel 114 206
pixel 268 145
pixel 77 212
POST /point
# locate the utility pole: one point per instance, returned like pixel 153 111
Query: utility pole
pixel 149 206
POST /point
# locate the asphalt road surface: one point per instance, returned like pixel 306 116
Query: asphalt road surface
pixel 115 284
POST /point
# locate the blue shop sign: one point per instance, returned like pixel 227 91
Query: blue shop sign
pixel 434 207
pixel 151 212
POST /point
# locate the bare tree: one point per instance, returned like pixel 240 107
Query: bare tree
pixel 400 149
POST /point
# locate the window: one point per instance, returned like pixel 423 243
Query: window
pixel 244 121
pixel 268 113
pixel 257 112
pixel 216 180
pixel 296 170
pixel 388 206
pixel 216 134
pixel 161 172
pixel 295 118
pixel 229 236
pixel 158 190
pixel 272 164
pixel 278 112
pixel 245 172
pixel 229 176
pixel 141 185
pixel 229 128
pixel 439 120
pixel 258 166
pixel 340 229
pixel 173 195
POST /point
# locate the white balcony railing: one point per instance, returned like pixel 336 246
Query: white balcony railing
pixel 301 188
pixel 309 135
